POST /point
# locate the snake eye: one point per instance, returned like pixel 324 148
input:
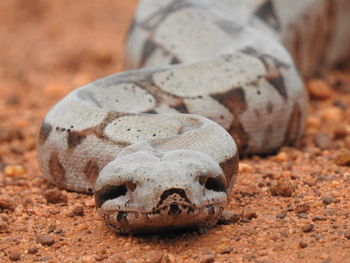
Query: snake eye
pixel 215 184
pixel 110 192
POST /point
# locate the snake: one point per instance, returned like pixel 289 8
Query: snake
pixel 204 83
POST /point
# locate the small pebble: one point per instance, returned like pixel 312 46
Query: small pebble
pixel 18 148
pixel 281 157
pixel 335 226
pixel 331 114
pixel 319 89
pixel 90 203
pixel 319 218
pixel 12 100
pixel 347 142
pixel 208 257
pixel 46 258
pixel 70 214
pixel 248 214
pixel 54 196
pixel 30 143
pixel 302 208
pixel 244 167
pixel 45 240
pixel 340 132
pixel 167 258
pixel 326 200
pixel 313 121
pixel 347 234
pixel 87 259
pixel 6 203
pixel 78 211
pixel 154 256
pixel 283 188
pixel 11 135
pixel 33 250
pixel 14 256
pixel 224 249
pixel 308 228
pixel 12 170
pixel 324 178
pixel 323 141
pixel 302 244
pixel 341 104
pixel 330 212
pixel 3 226
pixel 302 215
pixel 100 257
pixel 102 57
pixel 342 158
pixel 281 215
pixel 327 260
pixel 228 217
pixel 115 258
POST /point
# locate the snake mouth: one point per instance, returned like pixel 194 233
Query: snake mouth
pixel 161 220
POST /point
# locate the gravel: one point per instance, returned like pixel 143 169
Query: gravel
pixel 45 240
pixel 7 203
pixel 283 188
pixel 154 256
pixel 229 217
pixel 54 196
pixel 308 228
pixel 326 200
pixel 78 211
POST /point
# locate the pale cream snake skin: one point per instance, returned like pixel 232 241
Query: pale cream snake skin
pixel 156 145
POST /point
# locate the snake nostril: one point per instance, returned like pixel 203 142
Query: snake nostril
pixel 109 192
pixel 215 184
pixel 174 209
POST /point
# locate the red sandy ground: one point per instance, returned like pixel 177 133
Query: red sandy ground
pixel 48 48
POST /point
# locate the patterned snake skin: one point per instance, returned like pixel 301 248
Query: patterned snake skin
pixel 159 145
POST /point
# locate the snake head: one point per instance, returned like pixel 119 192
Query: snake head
pixel 151 191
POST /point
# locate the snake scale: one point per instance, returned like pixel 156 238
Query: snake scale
pixel 158 146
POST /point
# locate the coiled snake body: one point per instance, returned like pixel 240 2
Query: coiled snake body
pixel 155 144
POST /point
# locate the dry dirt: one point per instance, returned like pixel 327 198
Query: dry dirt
pixel 291 207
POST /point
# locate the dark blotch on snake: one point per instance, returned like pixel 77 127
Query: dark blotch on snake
pixel 240 136
pixel 175 61
pixel 44 133
pixel 234 100
pixel 278 83
pixel 181 107
pixel 266 12
pixel 147 51
pixel 56 169
pixel 75 138
pixel 230 169
pixel 294 125
pixel 269 107
pixel 91 171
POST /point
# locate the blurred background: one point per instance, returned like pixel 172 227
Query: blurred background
pixel 48 48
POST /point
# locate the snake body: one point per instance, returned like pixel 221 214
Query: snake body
pixel 159 145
